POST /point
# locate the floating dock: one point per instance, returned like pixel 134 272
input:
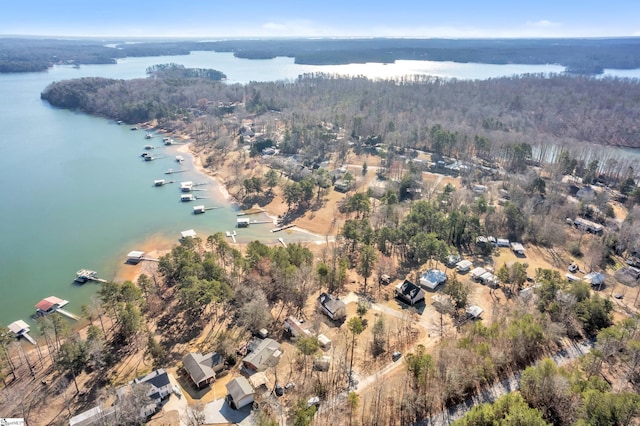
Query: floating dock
pixel 84 275
pixel 21 329
pixel 202 209
pixel 171 171
pixel 135 257
pixel 232 235
pixel 161 182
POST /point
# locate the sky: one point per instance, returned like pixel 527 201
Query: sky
pixel 322 18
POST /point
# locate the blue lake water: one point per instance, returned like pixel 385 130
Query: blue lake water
pixel 78 194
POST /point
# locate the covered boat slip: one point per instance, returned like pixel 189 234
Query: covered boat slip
pixel 21 329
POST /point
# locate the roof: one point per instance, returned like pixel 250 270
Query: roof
pixel 201 367
pixel 408 289
pixel 263 354
pixel 432 278
pixel 48 302
pixel 474 311
pixel 464 264
pixel 258 379
pixel 238 388
pixel 478 272
pixel 517 247
pixel 331 303
pixel 243 220
pixel 17 327
pixel 188 233
pixel 594 278
pixel 323 340
pixel 135 254
pixel 92 416
pixel 158 379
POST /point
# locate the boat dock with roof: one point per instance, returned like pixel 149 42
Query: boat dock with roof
pixel 21 329
pixel 52 304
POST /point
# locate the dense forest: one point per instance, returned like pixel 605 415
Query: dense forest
pixel 541 111
pixel 580 56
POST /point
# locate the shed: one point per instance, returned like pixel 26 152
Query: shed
pixel 239 392
pixel 464 265
pixel 432 279
pixel 409 292
pixel 474 311
pixel 324 341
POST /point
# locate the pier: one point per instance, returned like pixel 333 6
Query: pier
pixel 202 209
pixel 53 304
pixel 232 235
pixel 282 228
pixel 281 240
pixel 171 171
pixel 162 182
pixel 68 314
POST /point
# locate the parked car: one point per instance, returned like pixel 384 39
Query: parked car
pixel 176 390
pixel 573 268
pixel 396 356
pixel 289 386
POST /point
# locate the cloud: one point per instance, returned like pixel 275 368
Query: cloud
pixel 544 23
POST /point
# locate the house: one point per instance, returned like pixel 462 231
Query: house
pixel 158 386
pixel 202 369
pixel 586 193
pixel 596 279
pixel 322 363
pixel 409 292
pixel 95 416
pixel 266 354
pixel 476 273
pixel 239 393
pixel 332 307
pixel 295 328
pixel 464 266
pixel 518 249
pixel 588 226
pixel 432 279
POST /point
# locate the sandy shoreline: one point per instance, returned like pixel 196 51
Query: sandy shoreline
pixel 158 245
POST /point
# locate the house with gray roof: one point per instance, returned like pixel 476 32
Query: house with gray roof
pixel 202 369
pixel 264 355
pixel 332 307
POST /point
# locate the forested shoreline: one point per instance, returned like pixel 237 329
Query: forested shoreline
pixel 579 56
pixel 536 109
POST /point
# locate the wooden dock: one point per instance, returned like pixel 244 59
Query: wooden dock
pixel 282 228
pixel 171 171
pixel 68 314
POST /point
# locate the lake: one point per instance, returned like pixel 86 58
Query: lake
pixel 78 194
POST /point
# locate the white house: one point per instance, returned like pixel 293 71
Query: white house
pixel 409 292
